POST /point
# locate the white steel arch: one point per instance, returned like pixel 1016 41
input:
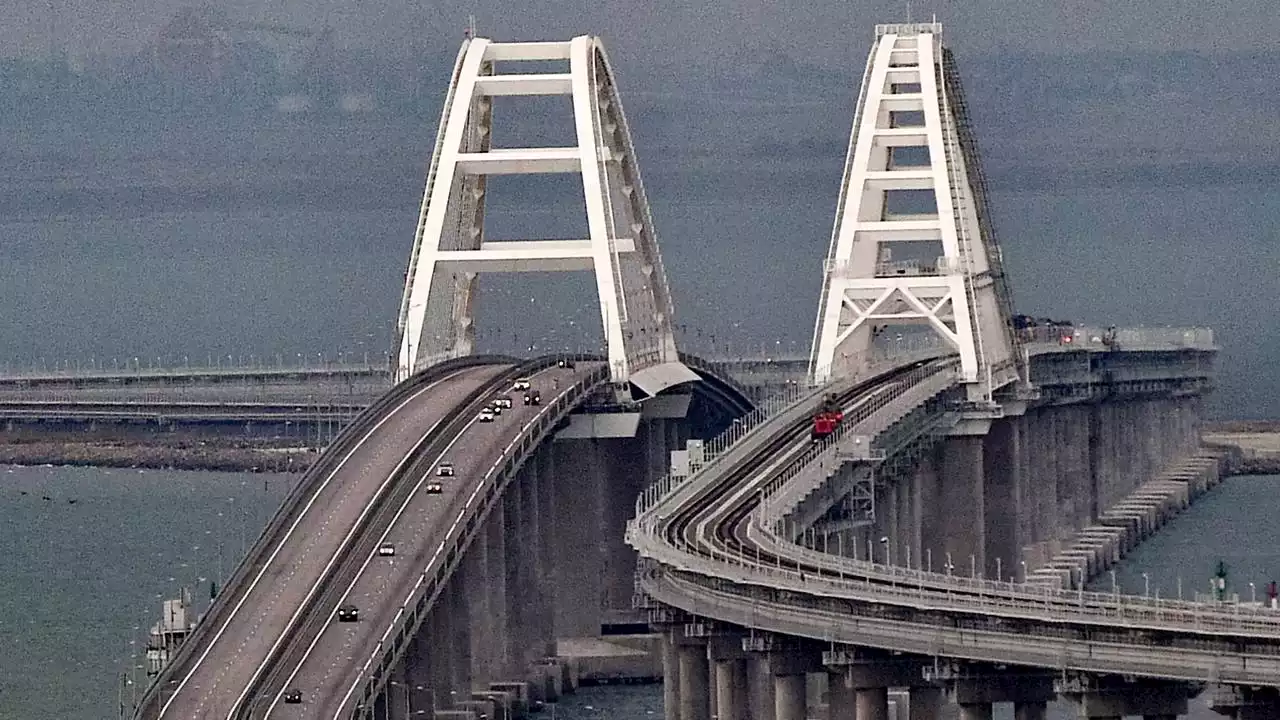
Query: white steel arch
pixel 436 313
pixel 910 133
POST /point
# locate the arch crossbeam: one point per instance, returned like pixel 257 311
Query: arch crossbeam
pixel 912 244
pixel 450 249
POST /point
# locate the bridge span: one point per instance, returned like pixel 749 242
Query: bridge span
pixel 993 444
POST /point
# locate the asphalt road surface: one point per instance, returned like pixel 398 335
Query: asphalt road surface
pixel 225 667
pixel 329 671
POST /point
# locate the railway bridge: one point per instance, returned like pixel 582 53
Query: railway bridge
pixel 389 586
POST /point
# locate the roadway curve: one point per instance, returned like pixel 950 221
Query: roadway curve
pixel 328 661
pixel 207 679
pixel 707 552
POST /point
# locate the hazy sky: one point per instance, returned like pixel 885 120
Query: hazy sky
pixel 825 30
pixel 1129 185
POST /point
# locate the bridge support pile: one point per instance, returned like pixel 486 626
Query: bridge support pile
pixel 547 576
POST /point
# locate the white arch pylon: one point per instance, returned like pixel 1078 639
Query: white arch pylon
pixel 450 249
pixel 911 98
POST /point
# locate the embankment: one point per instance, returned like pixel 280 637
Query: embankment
pixel 178 454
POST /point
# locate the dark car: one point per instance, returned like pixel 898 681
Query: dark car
pixel 565 363
pixel 532 398
pixel 348 613
pixel 293 697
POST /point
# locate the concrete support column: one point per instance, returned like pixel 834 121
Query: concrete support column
pixel 579 490
pixel 499 652
pixel 841 697
pixel 731 689
pixel 670 678
pixel 872 703
pixel 695 697
pixel 1030 711
pixel 925 703
pixel 544 509
pixel 975 711
pixel 626 470
pixel 516 559
pixel 789 699
pixel 959 514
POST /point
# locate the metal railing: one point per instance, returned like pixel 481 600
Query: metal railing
pixel 426 589
pixel 793 402
pixel 1052 645
pixel 1053 338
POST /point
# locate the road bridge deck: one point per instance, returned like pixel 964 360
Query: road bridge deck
pixel 248 634
pixel 329 663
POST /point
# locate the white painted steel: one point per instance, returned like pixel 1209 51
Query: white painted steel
pixel 436 319
pixel 862 288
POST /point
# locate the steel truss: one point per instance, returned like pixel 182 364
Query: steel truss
pixel 909 103
pixel 450 249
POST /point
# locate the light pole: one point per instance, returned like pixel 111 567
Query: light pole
pixel 999 570
pixel 1146 586
pixel 884 540
pixel 1253 593
pixel 1024 571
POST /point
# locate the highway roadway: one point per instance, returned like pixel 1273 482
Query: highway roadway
pixel 246 635
pixel 328 664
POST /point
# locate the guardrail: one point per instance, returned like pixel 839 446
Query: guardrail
pixel 431 582
pixel 1042 339
pixel 795 402
pixel 1051 645
pixel 154 697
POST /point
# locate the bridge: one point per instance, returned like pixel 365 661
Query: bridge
pixel 426 563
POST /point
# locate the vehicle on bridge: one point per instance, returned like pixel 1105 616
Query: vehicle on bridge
pixel 387 549
pixel 496 409
pixel 503 401
pixel 434 488
pixel 565 363
pixel 293 697
pixel 533 397
pixel 444 469
pixel 521 385
pixel 486 415
pixel 348 613
pixel 826 420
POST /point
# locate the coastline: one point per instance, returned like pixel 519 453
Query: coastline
pixel 1255 445
pixel 212 454
pixel 1254 449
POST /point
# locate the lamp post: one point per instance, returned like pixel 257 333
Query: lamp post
pixel 1024 571
pixel 1146 586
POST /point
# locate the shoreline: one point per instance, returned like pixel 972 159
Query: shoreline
pixel 206 456
pixel 1252 448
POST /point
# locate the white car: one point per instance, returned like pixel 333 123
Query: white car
pixel 434 488
pixel 387 550
pixel 486 415
pixel 521 385
pixel 496 409
pixel 502 402
pixel 444 469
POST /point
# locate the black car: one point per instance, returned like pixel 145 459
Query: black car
pixel 348 613
pixel 532 398
pixel 565 363
pixel 293 697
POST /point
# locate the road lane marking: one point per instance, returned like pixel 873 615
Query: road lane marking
pixel 328 566
pixel 435 556
pixel 284 541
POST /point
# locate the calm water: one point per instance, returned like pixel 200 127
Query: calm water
pixel 80 582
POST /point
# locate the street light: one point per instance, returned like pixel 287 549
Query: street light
pixel 1024 570
pixel 884 540
pixel 1146 585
